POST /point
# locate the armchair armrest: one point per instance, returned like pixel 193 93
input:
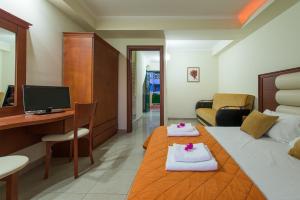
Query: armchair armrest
pixel 204 104
pixel 231 117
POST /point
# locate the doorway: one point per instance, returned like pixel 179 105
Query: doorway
pixel 145 83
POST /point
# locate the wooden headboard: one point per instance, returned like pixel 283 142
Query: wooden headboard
pixel 267 88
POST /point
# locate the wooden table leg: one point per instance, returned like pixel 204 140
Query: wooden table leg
pixel 12 187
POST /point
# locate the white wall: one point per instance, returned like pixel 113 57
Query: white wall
pixel 44 47
pixel 182 96
pixel 275 46
pixel 140 77
pixel 121 45
pixel 151 59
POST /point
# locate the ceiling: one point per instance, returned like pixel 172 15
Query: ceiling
pixel 192 44
pixel 187 8
pixel 131 34
pixel 173 19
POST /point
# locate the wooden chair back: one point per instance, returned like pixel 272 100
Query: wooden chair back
pixel 84 114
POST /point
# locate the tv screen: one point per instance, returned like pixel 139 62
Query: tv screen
pixel 39 98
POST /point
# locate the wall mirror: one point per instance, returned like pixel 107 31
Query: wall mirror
pixel 13 31
pixel 7 67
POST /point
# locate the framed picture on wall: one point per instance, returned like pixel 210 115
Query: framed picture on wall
pixel 193 74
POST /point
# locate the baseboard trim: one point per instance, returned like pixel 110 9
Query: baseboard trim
pixel 137 118
pixel 122 131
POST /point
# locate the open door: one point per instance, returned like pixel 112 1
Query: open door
pixel 152 88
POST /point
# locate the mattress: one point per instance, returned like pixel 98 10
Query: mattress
pixel 152 181
pixel 264 160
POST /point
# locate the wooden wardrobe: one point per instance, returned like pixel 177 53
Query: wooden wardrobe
pixel 90 69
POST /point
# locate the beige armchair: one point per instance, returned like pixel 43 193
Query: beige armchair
pixel 224 109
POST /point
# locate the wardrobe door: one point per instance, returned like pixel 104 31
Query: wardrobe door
pixel 105 89
pixel 78 66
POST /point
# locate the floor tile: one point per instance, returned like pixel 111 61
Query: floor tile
pixel 59 196
pixel 104 197
pixel 130 162
pixel 112 181
pixel 80 186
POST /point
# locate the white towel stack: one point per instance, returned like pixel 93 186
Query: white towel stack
pixel 187 130
pixel 199 153
pixel 197 159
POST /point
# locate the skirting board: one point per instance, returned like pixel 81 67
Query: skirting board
pixel 122 131
pixel 137 118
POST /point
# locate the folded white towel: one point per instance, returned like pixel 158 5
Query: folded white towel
pixel 176 133
pixel 172 165
pixel 187 128
pixel 199 153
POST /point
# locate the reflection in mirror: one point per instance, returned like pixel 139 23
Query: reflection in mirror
pixel 7 67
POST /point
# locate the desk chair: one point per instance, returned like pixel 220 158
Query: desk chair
pixel 84 114
pixel 9 168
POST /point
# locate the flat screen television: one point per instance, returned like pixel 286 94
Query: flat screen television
pixel 45 99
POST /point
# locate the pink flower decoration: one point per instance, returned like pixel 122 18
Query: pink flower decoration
pixel 181 125
pixel 189 147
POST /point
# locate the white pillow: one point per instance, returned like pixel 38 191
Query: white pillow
pixel 287 127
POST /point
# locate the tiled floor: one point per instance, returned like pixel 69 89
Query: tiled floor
pixel 110 178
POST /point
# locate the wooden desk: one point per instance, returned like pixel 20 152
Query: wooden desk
pixel 29 120
pixel 20 131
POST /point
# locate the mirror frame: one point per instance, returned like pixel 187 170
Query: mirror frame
pixel 19 27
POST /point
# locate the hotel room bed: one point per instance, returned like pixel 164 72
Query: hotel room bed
pixel 152 181
pixel 265 161
pixel 248 168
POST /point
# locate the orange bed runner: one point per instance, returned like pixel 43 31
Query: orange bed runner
pixel 154 182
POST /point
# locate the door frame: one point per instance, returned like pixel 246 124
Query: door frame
pixel 130 48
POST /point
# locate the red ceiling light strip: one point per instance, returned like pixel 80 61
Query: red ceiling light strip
pixel 250 9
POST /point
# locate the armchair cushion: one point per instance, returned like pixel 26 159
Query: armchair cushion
pixel 221 100
pixel 208 115
pixel 225 109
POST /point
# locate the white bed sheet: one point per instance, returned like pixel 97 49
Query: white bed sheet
pixel 264 160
